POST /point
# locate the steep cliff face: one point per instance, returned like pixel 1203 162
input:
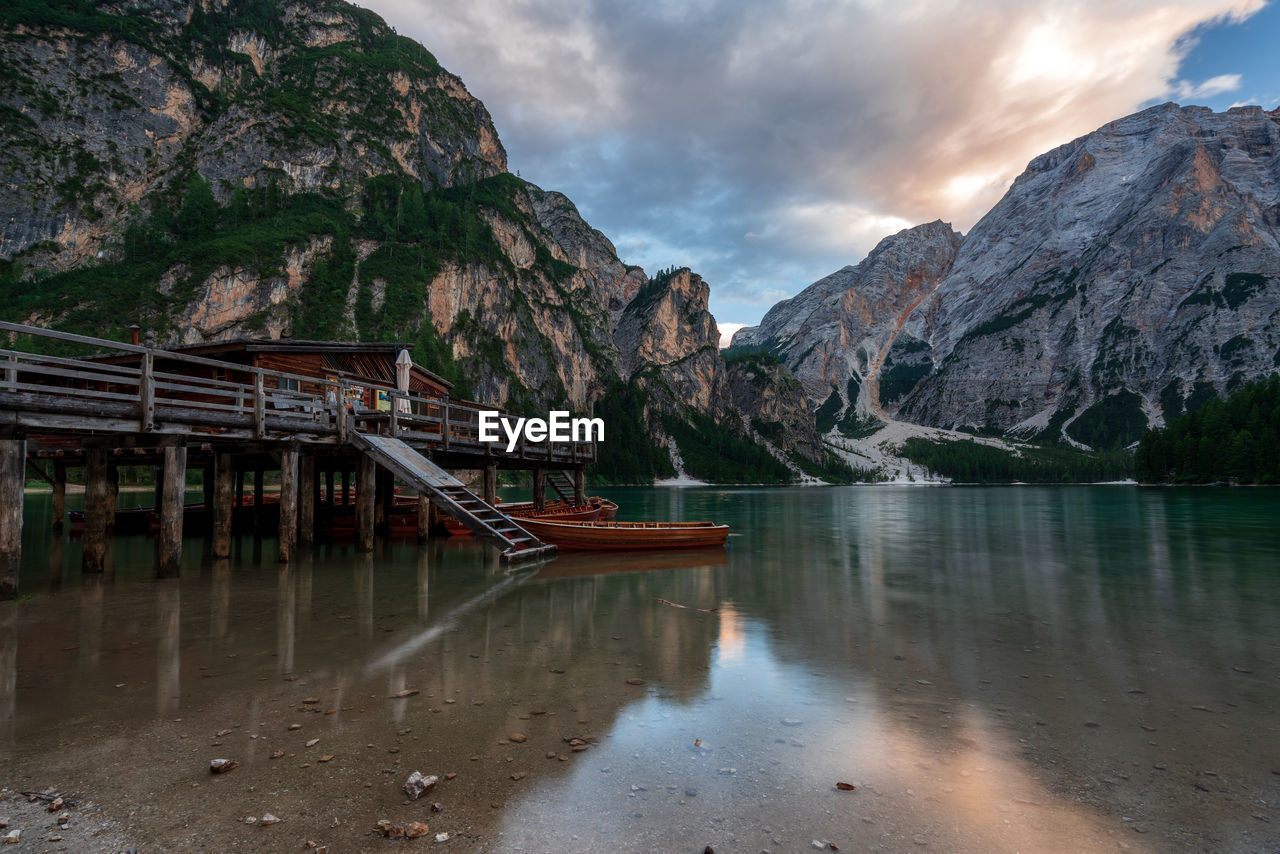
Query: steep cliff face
pixel 1122 275
pixel 669 345
pixel 106 105
pixel 843 336
pixel 667 332
pixel 772 401
pixel 355 190
pixel 222 169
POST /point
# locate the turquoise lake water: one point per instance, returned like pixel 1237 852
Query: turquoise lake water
pixel 992 668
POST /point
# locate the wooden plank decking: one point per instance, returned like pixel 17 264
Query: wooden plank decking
pixel 152 401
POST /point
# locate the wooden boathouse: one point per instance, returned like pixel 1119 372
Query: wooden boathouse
pixel 319 413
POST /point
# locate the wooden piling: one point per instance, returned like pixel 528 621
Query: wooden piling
pixel 99 511
pixel 491 483
pixel 385 489
pixel 308 497
pixel 13 467
pixel 539 489
pixel 424 517
pixel 288 503
pixel 329 497
pixel 171 512
pixel 224 499
pixel 239 487
pixel 59 495
pixel 365 488
pixel 207 478
pixel 257 498
pixel 579 488
pixel 346 487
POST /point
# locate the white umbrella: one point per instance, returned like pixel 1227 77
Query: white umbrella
pixel 404 364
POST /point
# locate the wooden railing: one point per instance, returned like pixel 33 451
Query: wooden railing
pixel 67 394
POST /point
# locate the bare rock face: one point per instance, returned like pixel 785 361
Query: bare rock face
pixel 667 332
pixel 1131 274
pixel 112 108
pixel 350 189
pixel 774 404
pixel 1130 270
pixel 837 334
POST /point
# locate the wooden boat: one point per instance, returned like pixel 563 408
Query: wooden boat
pixel 607 509
pixel 580 513
pixel 627 536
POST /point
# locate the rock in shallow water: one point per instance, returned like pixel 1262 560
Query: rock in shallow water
pixel 417 785
pixel 222 766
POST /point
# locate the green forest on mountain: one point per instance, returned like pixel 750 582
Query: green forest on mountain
pixel 968 461
pixel 1233 439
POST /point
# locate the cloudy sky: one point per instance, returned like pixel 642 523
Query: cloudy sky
pixel 767 143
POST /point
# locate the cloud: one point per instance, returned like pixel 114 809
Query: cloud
pixel 760 139
pixel 726 332
pixel 1185 91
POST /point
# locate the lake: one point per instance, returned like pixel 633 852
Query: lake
pixel 990 669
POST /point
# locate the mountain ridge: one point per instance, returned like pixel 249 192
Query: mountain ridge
pixel 247 168
pixel 1124 276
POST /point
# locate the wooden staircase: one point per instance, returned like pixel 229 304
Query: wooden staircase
pixel 562 484
pixel 452 496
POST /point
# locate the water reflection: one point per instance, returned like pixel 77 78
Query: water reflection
pixel 8 673
pixel 168 648
pixel 286 618
pixel 996 669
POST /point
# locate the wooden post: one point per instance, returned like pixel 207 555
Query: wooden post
pixel 147 393
pixel 539 489
pixel 224 499
pixel 239 487
pixel 13 469
pixel 99 510
pixel 259 405
pixel 346 487
pixel 328 488
pixel 288 503
pixel 157 480
pixel 579 488
pixel 424 517
pixel 382 510
pixel 444 424
pixel 59 495
pixel 257 498
pixel 308 494
pixel 491 483
pixel 171 511
pixel 365 488
pixel 207 478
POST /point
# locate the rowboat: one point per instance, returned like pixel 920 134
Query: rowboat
pixel 627 536
pixel 580 513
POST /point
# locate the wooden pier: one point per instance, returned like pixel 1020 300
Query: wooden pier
pixel 130 405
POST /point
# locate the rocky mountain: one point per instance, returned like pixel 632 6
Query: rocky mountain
pixel 836 334
pixel 217 169
pixel 1124 278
